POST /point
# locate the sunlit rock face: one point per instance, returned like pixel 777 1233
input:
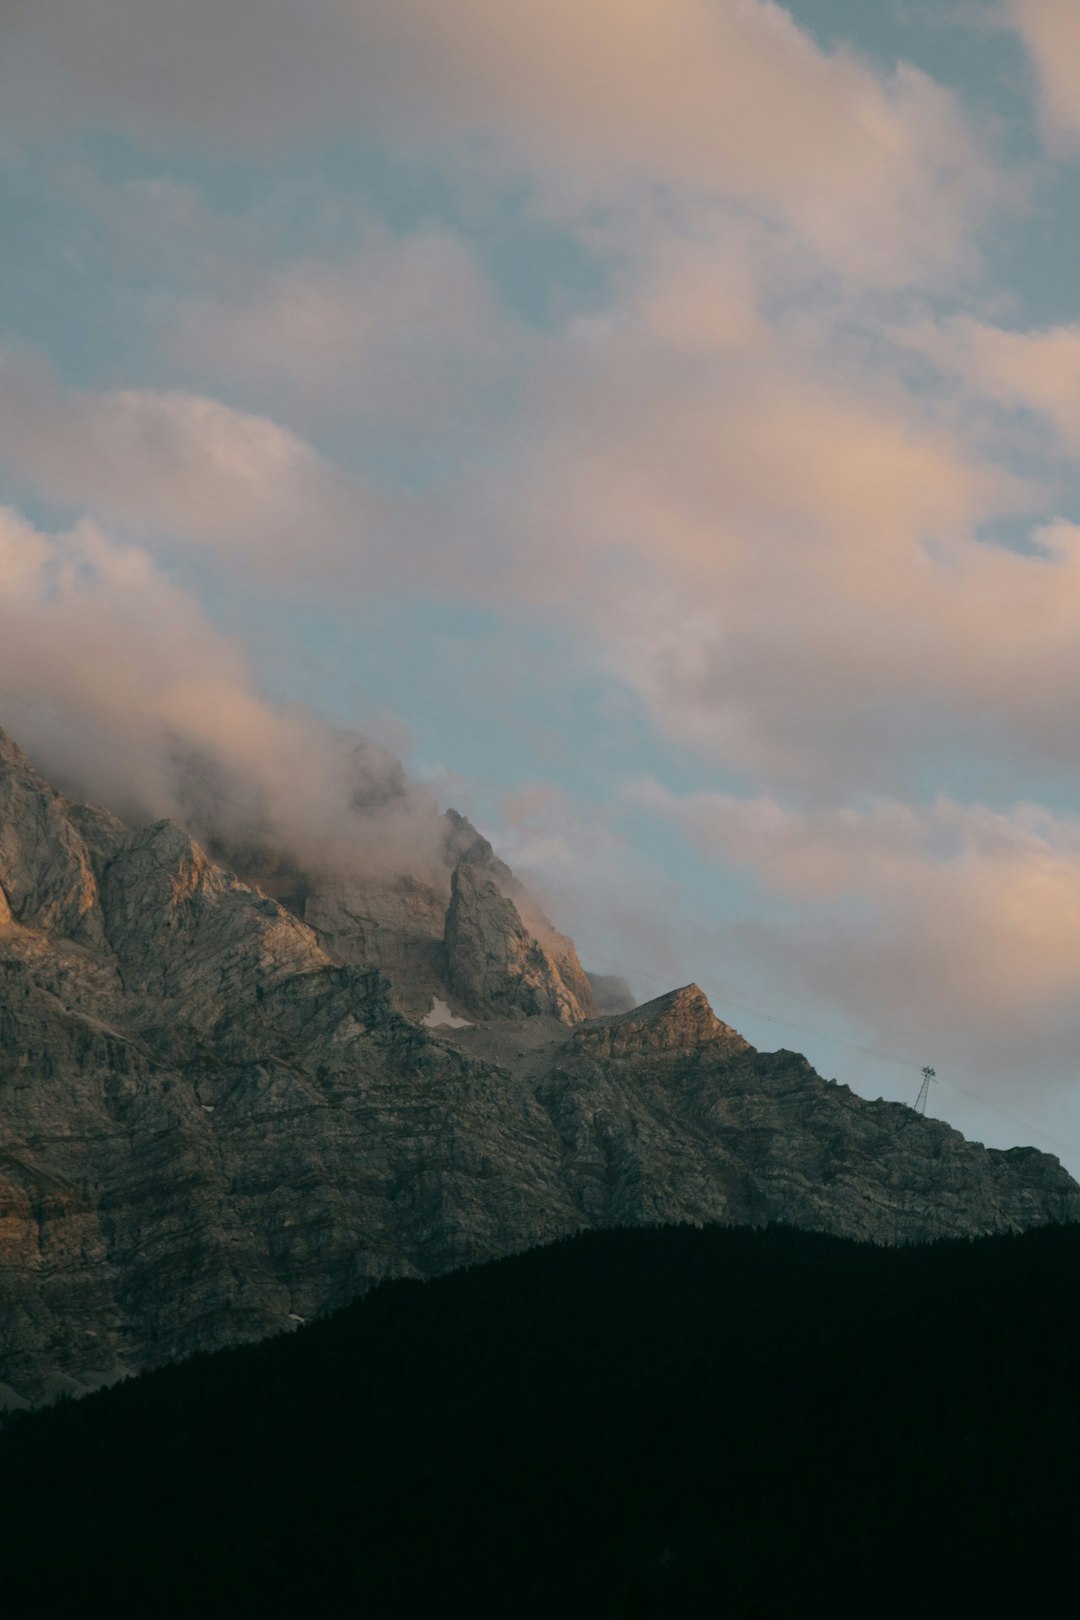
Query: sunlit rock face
pixel 44 864
pixel 459 928
pixel 496 967
pixel 217 1118
pixel 681 1021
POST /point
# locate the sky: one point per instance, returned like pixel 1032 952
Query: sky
pixel 656 421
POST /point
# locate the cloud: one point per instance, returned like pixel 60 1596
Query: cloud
pixel 137 701
pixel 841 679
pixel 623 912
pixel 956 925
pixel 1050 29
pixel 404 333
pixel 765 535
pixel 182 465
pixel 1037 371
pixel 735 101
pixel 777 544
pixel 722 98
pixel 251 71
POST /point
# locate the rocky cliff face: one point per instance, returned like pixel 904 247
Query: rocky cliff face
pixel 217 1119
pixel 462 931
pixel 495 966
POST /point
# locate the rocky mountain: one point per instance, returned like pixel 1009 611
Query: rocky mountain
pixel 463 932
pixel 222 1114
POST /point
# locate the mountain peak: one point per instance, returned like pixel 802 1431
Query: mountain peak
pixel 496 964
pixel 679 1021
pixel 45 867
pixel 11 754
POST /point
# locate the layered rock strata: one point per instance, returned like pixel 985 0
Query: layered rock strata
pixel 213 1125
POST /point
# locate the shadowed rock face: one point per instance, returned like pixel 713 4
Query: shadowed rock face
pixel 213 1121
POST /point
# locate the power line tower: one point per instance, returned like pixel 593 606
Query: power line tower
pixel 924 1090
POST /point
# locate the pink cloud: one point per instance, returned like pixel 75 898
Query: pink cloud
pixel 403 331
pixel 966 927
pixel 626 915
pixel 183 465
pixel 777 545
pixel 727 98
pixel 1036 370
pixel 113 676
pixel 1050 30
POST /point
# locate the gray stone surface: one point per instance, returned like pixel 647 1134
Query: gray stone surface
pixel 213 1121
pixel 461 929
pixel 496 966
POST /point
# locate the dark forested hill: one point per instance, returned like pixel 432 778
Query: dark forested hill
pixel 670 1422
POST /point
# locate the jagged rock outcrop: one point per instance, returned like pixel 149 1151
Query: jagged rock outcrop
pixel 182 928
pixel 495 966
pixel 211 1125
pixel 681 1021
pixel 45 867
pixel 392 925
pixel 499 956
